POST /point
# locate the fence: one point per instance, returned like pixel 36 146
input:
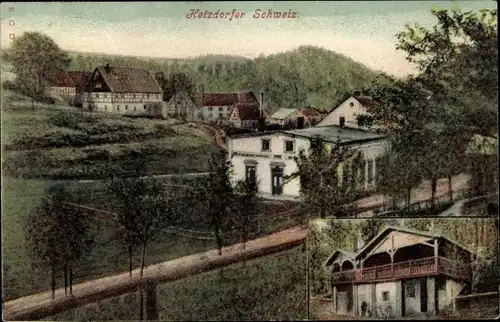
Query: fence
pixel 477 303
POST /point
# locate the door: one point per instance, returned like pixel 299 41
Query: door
pixel 277 180
pixel 423 295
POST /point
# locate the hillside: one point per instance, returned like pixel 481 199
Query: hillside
pixel 59 142
pixel 305 76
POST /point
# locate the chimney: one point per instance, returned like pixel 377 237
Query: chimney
pixel 358 93
pixel 107 67
pixel 300 122
pixel 261 104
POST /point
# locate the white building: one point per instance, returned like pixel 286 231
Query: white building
pixel 270 155
pixel 346 114
pixel 123 90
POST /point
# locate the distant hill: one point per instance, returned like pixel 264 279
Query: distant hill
pixel 305 76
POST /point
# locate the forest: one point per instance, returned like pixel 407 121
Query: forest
pixel 305 76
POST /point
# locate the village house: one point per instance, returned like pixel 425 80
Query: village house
pixel 62 88
pixel 80 78
pixel 297 117
pixel 269 156
pixel 347 113
pixel 123 90
pixel 180 106
pixel 400 272
pixel 218 107
pixel 245 116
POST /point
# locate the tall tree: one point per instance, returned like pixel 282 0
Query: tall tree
pixel 216 197
pixel 36 60
pixel 48 232
pixel 248 206
pixel 319 172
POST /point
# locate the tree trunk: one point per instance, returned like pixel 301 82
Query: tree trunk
pixel 450 188
pixel 141 302
pixel 408 197
pixel 53 282
pixel 66 278
pixel 70 280
pixel 433 190
pixel 143 259
pixel 130 260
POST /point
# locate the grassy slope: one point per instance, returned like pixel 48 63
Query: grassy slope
pixel 268 288
pixel 185 149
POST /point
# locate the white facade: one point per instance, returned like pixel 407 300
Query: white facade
pixel 247 151
pixel 122 103
pixel 349 110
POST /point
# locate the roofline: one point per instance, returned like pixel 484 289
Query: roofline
pixel 415 232
pixel 341 252
pixel 113 91
pixel 253 134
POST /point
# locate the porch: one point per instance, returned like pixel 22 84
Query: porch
pixel 428 266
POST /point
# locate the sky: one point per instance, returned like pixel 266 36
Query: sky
pixel 362 30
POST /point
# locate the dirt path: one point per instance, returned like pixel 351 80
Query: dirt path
pixel 41 305
pixel 216 132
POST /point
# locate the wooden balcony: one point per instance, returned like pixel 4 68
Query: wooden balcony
pixel 402 270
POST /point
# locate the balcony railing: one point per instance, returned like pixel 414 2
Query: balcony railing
pixel 413 268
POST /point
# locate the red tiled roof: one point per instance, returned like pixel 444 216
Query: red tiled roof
pixel 310 112
pixel 365 101
pixel 248 111
pixel 62 80
pixel 80 79
pixel 227 99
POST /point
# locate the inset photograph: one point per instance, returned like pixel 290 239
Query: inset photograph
pixel 444 268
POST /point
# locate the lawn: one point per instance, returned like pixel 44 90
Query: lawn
pixel 57 142
pixel 268 288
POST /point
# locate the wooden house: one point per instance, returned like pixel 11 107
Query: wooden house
pixel 218 107
pixel 400 272
pixel 62 88
pixel 80 78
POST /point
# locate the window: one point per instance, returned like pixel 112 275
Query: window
pixel 134 95
pixel 118 107
pixel 266 145
pixel 134 108
pixel 123 95
pixel 221 108
pixel 144 106
pixel 126 107
pixel 289 146
pixel 351 104
pixel 371 177
pixel 410 289
pixel 385 296
pixel 105 107
pixel 210 108
pixel 250 172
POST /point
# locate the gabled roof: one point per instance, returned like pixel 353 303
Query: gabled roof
pixel 372 243
pixel 62 80
pixel 283 113
pixel 248 111
pixel 80 78
pixel 227 98
pixel 310 112
pixel 336 253
pixel 129 80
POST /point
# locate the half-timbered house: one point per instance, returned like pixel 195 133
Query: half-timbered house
pixel 123 90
